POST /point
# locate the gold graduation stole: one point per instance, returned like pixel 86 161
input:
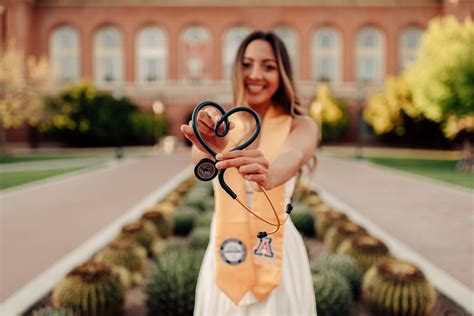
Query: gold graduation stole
pixel 245 263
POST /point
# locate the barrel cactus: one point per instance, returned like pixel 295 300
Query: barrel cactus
pixel 172 283
pixel 341 231
pixel 184 221
pixel 365 250
pixel 165 207
pixel 173 198
pixel 161 221
pixel 126 254
pixel 199 238
pixel 333 294
pixel 140 232
pixel 205 219
pixel 341 264
pixel 394 287
pixel 303 219
pixel 90 289
pixel 51 311
pixel 325 219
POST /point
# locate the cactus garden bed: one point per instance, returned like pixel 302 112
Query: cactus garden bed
pixel 151 267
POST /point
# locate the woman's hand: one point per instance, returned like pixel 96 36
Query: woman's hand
pixel 206 121
pixel 251 164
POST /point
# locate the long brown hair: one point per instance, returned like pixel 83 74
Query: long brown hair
pixel 285 96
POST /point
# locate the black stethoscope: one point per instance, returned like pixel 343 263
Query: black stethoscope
pixel 205 169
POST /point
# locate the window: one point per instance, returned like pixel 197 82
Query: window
pixel 196 54
pixel 152 55
pixel 290 38
pixel 410 39
pixel 108 56
pixel 64 54
pixel 326 55
pixel 370 55
pixel 232 40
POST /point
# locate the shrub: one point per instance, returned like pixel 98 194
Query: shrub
pixel 84 116
pixel 51 311
pixel 184 221
pixel 172 284
pixel 340 264
pixel 394 287
pixel 341 231
pixel 333 294
pixel 365 250
pixel 199 238
pixel 90 289
pixel 303 220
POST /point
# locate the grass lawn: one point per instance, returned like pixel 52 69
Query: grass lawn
pixel 11 179
pixel 443 170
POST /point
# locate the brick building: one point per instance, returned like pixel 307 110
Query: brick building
pixel 179 52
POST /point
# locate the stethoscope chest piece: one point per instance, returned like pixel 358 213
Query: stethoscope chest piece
pixel 205 170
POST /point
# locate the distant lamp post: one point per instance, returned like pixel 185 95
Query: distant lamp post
pixel 158 109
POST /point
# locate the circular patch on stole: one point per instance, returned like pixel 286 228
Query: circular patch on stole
pixel 233 251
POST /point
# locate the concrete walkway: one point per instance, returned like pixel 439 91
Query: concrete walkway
pixel 42 223
pixel 433 219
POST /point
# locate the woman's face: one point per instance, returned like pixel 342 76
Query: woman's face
pixel 260 73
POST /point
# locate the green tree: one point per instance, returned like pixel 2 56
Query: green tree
pixel 442 79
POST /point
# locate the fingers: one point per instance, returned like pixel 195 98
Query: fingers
pixel 252 168
pixel 239 153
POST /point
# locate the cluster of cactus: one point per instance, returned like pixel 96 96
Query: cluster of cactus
pixel 172 283
pixel 160 220
pixel 199 238
pixel 341 264
pixel 200 197
pixel 394 287
pixel 341 231
pixel 184 220
pixel 51 311
pixel 205 219
pixel 325 219
pixel 90 289
pixel 141 232
pixel 128 255
pixel 333 294
pixel 365 250
pixel 303 219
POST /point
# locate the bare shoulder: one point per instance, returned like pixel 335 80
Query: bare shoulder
pixel 304 123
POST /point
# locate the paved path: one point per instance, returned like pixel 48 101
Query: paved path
pixel 433 219
pixel 54 164
pixel 42 223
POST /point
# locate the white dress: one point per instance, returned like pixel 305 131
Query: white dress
pixel 293 297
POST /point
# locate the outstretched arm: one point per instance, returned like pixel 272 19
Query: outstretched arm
pixel 297 151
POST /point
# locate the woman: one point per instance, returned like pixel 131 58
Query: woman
pixel 242 274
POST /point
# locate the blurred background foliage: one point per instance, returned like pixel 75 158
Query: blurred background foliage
pixel 330 113
pixel 84 116
pixel 431 104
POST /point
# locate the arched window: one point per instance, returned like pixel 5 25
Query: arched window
pixel 290 38
pixel 370 55
pixel 152 55
pixel 196 54
pixel 326 55
pixel 64 54
pixel 108 55
pixel 410 39
pixel 232 40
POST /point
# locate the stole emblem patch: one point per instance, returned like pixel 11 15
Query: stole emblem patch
pixel 264 248
pixel 233 251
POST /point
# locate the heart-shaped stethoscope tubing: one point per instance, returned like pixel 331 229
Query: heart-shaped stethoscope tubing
pixel 205 169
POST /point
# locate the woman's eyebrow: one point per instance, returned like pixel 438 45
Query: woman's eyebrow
pixel 264 60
